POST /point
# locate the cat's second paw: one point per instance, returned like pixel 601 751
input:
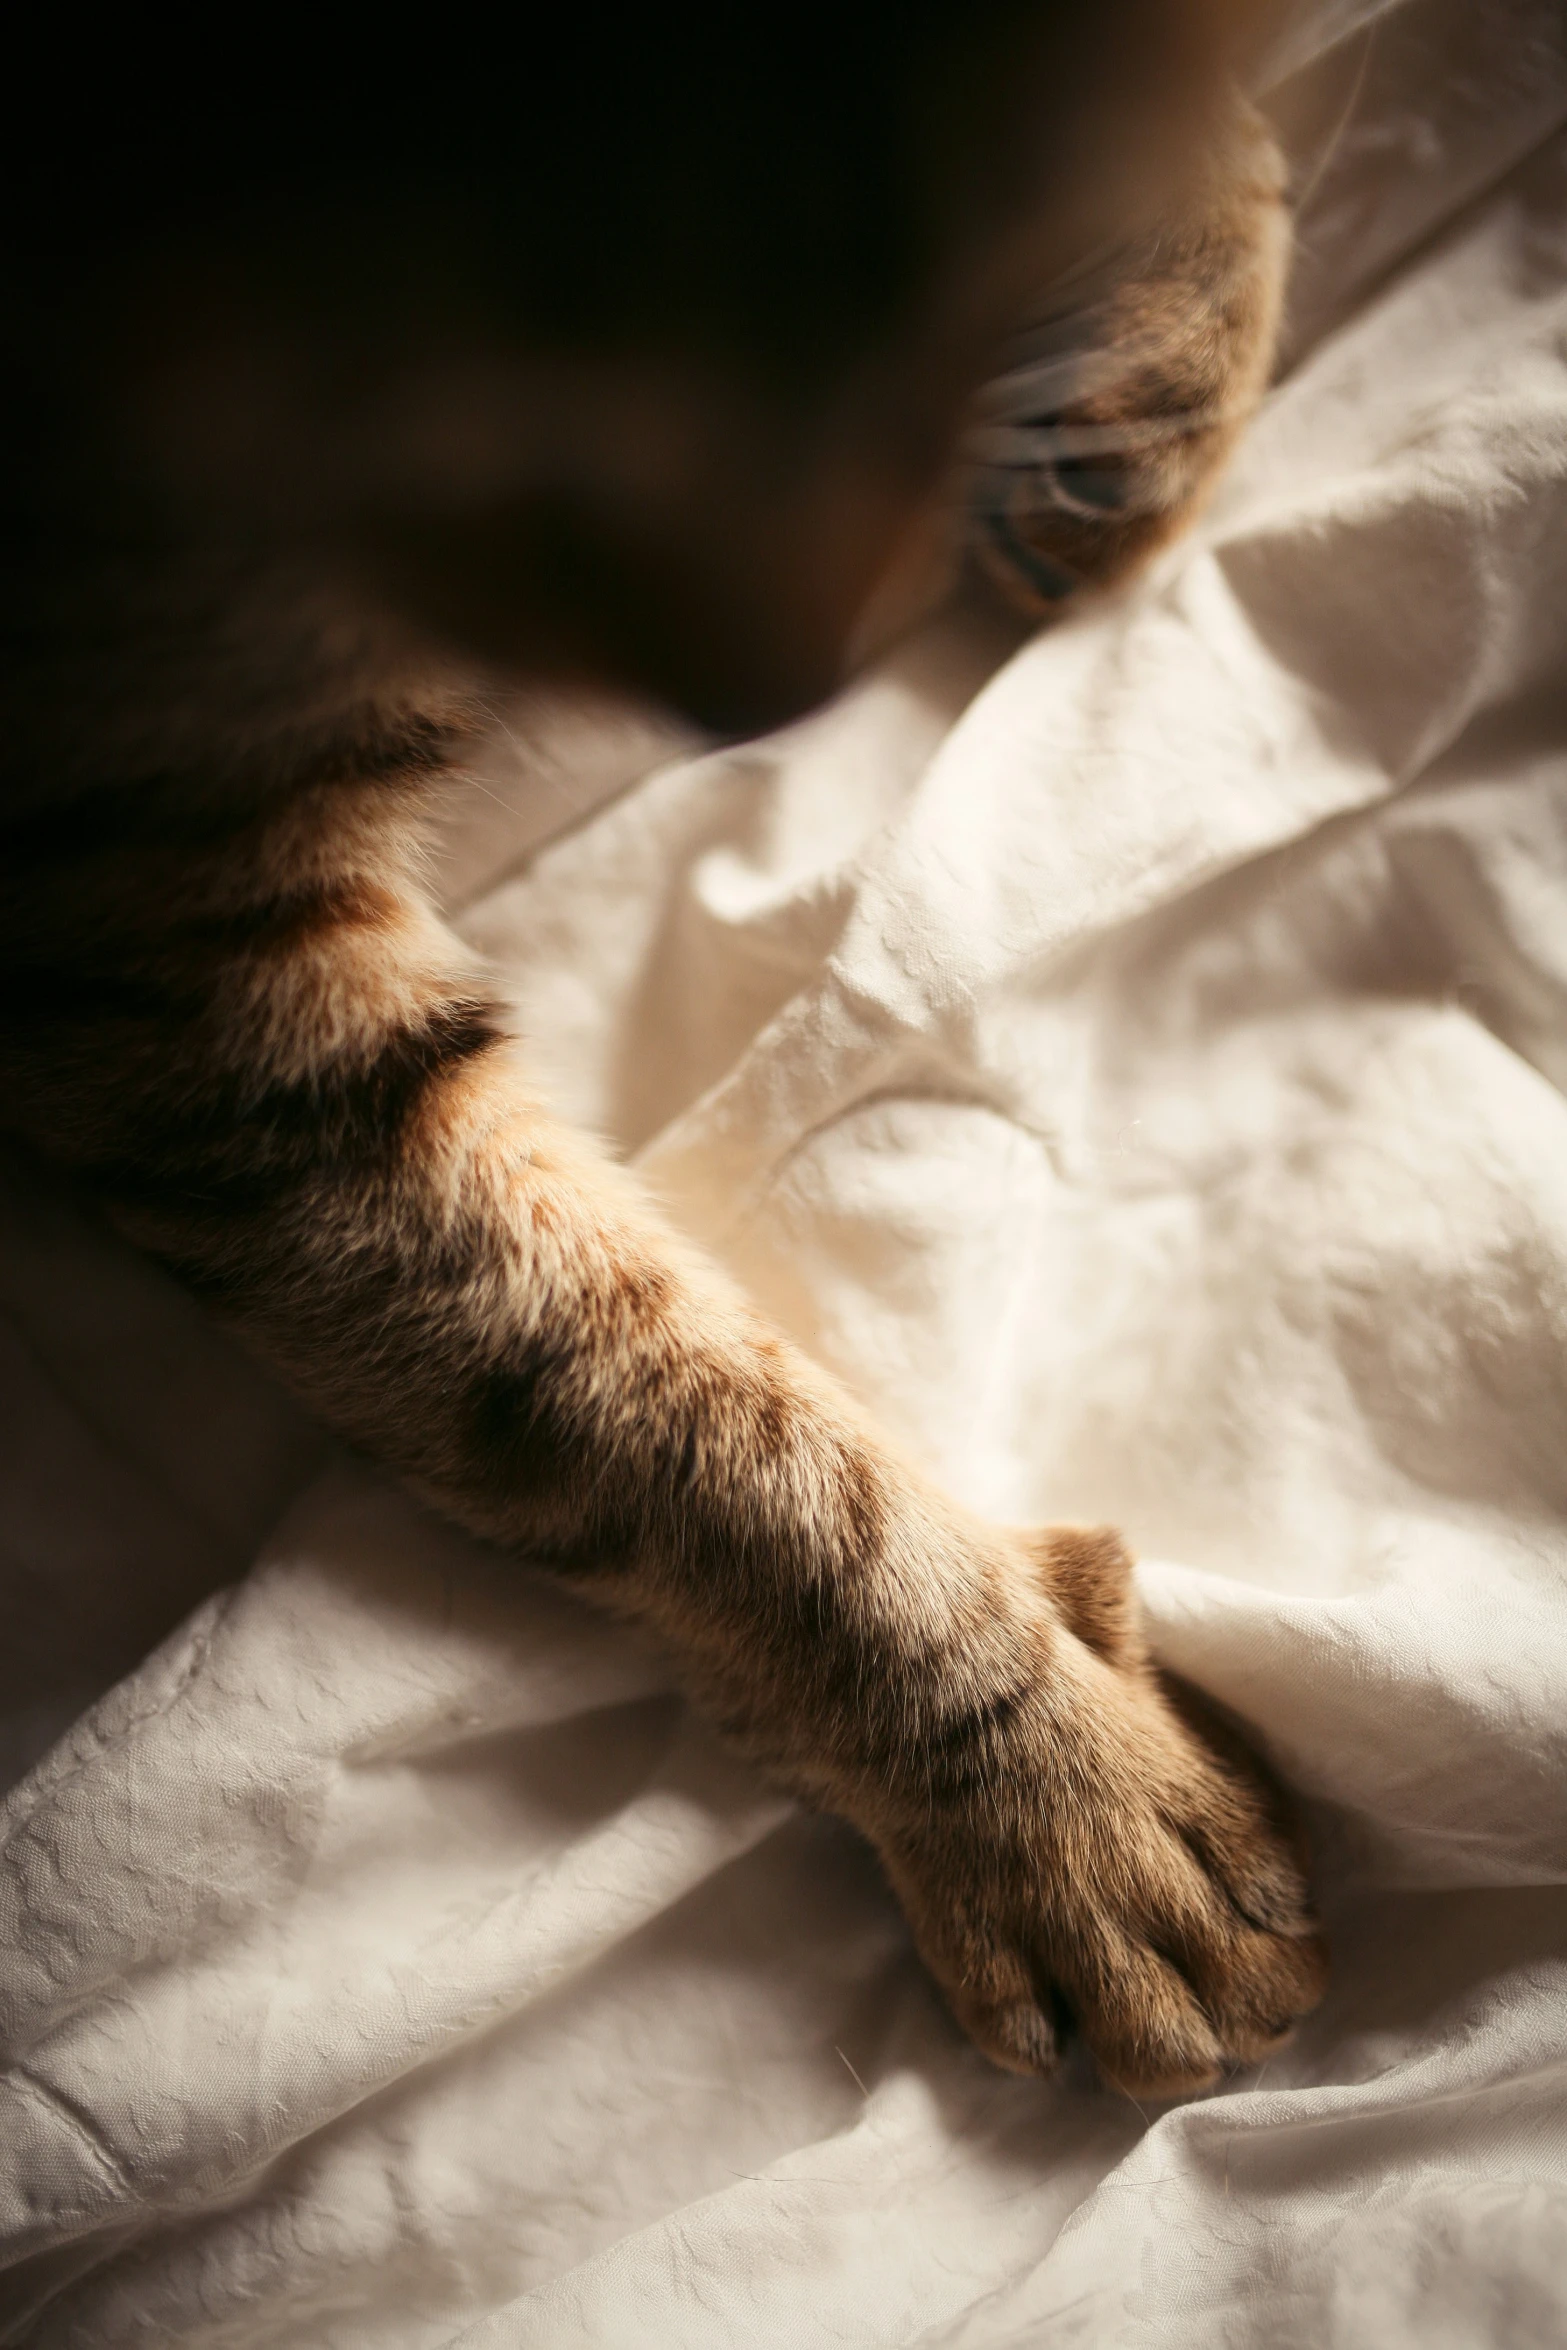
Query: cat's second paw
pixel 1086 1850
pixel 1106 434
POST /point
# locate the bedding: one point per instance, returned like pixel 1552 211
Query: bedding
pixel 1134 1058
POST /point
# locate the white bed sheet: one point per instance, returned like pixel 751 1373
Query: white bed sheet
pixel 1141 1074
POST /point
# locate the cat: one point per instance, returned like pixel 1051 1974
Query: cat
pixel 326 403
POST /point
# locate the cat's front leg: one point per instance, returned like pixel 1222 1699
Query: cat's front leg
pixel 285 1078
pixel 560 1372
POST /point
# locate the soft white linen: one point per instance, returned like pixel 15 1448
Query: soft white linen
pixel 1143 1078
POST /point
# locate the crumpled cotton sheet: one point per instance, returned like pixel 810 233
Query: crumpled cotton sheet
pixel 1134 1060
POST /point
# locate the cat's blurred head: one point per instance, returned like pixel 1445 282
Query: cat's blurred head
pixel 630 341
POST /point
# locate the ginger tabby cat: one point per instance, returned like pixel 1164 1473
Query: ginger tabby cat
pixel 336 399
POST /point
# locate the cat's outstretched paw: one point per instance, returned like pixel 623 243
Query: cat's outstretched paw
pixel 1089 1850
